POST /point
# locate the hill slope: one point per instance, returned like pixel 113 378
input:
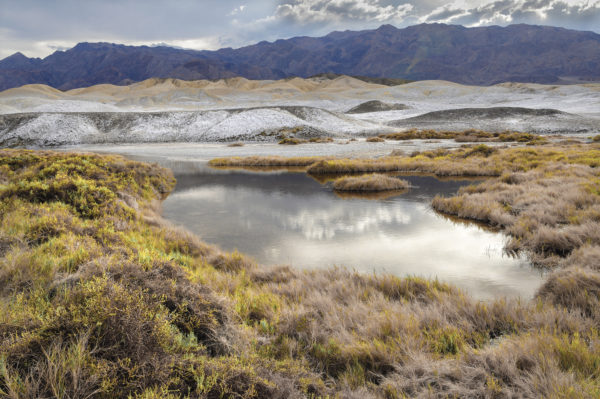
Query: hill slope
pixel 483 55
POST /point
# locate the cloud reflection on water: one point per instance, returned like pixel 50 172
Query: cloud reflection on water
pixel 292 219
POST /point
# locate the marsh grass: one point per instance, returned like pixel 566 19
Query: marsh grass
pixel 292 141
pixel 549 212
pixel 469 161
pixel 375 139
pixel 100 297
pixel 263 161
pixel 320 140
pixel 369 195
pixel 370 183
pixel 295 141
pixel 471 135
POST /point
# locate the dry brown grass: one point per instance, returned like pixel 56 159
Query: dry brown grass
pixel 370 183
pixel 574 288
pixel 369 195
pixel 292 141
pixel 478 160
pixel 375 139
pixel 320 140
pixel 295 141
pixel 549 212
pixel 111 301
pixel 471 135
pixel 260 161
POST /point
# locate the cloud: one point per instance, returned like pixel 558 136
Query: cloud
pixel 575 14
pixel 237 10
pixel 43 48
pixel 314 11
pixel 38 27
pixel 200 43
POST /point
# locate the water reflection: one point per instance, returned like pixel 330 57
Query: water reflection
pixel 290 218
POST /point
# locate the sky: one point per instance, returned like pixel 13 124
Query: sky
pixel 39 27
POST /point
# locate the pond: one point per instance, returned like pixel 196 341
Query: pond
pixel 290 218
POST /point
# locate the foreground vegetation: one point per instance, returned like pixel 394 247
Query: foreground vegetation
pixel 100 297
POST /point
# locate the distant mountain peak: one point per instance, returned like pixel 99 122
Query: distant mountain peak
pixel 16 56
pixel 480 56
pixel 387 28
pixel 18 61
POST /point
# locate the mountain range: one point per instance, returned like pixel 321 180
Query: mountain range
pixel 478 56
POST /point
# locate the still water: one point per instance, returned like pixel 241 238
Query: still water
pixel 290 218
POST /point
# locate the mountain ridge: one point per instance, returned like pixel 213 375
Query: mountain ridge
pixel 478 56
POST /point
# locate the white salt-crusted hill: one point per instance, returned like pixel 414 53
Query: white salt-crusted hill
pixel 159 110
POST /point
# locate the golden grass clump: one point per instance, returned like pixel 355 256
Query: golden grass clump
pixel 370 183
pixel 101 298
pixel 375 139
pixel 236 144
pixel 292 141
pixel 321 140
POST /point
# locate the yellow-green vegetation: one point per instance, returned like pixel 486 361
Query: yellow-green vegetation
pixel 294 140
pixel 261 161
pixel 99 297
pixel 470 135
pixel 478 160
pixel 369 183
pixel 368 195
pixel 320 140
pixel 596 138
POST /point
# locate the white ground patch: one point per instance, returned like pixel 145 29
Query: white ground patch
pixel 203 110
